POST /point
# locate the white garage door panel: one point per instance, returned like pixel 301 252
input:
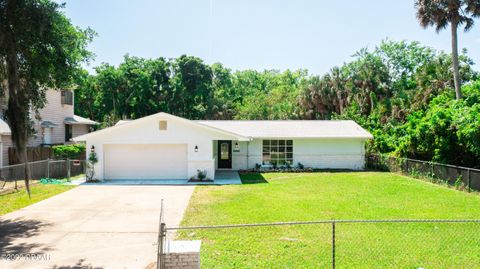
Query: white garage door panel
pixel 145 161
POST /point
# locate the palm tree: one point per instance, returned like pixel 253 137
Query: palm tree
pixel 440 13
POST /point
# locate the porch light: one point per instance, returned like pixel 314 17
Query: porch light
pixel 196 148
pixel 236 147
pixel 92 149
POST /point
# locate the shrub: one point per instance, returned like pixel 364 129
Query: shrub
pixel 201 175
pixel 92 160
pixel 74 151
pixel 459 183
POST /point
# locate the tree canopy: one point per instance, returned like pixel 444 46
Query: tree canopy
pixel 39 49
pixel 388 90
pixel 441 13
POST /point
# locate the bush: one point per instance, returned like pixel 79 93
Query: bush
pixel 75 151
pixel 201 175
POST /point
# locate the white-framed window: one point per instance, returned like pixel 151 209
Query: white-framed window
pixel 277 152
pixel 67 97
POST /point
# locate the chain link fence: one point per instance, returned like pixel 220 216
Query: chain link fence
pixel 336 244
pixel 58 169
pixel 458 176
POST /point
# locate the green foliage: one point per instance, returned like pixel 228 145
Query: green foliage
pixel 201 174
pixel 92 158
pixel 90 173
pixel 442 13
pixel 447 131
pixel 459 183
pixel 400 91
pixel 74 151
pixel 19 199
pixel 39 49
pixel 186 87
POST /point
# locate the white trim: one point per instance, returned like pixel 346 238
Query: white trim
pixel 126 124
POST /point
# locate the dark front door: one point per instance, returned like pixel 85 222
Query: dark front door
pixel 224 154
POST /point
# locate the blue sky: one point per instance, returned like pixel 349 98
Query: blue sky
pixel 258 34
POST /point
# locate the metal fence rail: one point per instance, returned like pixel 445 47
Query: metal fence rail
pixel 462 177
pixel 397 243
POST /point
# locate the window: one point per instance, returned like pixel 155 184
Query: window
pixel 162 125
pixel 224 151
pixel 67 98
pixel 277 152
pixel 68 132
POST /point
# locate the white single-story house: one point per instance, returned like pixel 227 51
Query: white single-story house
pixel 164 146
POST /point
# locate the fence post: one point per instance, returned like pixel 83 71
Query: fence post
pixel 333 244
pixel 48 168
pixel 431 170
pixel 68 169
pixel 468 179
pixel 161 239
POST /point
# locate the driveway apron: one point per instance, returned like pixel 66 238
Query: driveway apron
pixel 91 227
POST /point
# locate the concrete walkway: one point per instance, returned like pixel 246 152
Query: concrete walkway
pixel 222 177
pixel 92 227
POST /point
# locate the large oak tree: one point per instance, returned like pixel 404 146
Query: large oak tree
pixel 39 49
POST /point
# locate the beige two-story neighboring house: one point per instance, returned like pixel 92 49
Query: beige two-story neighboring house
pixel 55 124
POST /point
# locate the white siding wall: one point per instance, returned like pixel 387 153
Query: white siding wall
pixel 315 153
pixel 5 144
pixel 79 129
pixel 147 132
pixel 330 153
pixel 55 112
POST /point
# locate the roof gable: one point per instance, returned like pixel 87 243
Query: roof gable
pixel 139 123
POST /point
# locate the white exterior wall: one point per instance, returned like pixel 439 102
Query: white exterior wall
pixel 147 132
pixel 4 145
pixel 80 129
pixel 253 149
pixel 330 153
pixel 340 153
pixel 55 112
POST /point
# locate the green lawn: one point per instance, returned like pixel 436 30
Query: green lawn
pixel 324 196
pixel 19 199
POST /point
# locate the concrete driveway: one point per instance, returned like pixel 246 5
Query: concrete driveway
pixel 91 227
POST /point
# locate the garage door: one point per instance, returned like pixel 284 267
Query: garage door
pixel 145 161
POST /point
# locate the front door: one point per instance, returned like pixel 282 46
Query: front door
pixel 224 154
pixel 47 135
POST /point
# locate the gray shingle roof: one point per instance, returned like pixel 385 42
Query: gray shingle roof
pixel 79 120
pixel 291 128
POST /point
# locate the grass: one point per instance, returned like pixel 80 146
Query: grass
pixel 324 196
pixel 15 200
